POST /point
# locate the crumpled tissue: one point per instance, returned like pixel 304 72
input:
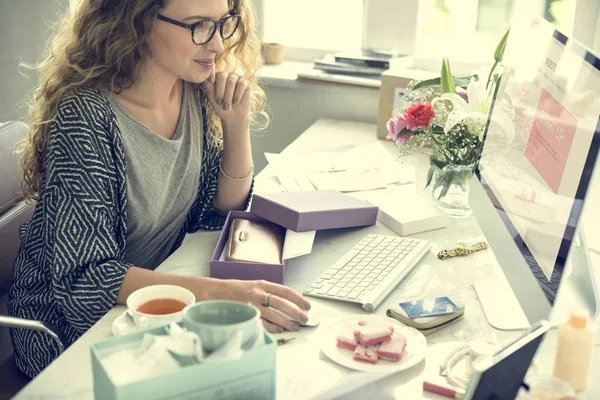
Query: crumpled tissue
pixel 157 355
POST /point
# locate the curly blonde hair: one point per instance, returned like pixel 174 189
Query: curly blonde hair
pixel 103 45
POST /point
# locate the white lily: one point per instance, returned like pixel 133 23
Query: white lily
pixel 476 110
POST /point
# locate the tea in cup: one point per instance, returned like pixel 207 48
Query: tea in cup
pixel 158 305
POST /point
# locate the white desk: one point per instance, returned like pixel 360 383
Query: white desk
pixel 70 376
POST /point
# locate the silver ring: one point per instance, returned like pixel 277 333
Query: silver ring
pixel 267 298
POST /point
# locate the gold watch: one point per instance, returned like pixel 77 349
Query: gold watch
pixel 462 249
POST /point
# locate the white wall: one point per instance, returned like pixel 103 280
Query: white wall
pixel 24 29
pixel 294 107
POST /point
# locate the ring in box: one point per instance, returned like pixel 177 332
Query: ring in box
pixel 301 214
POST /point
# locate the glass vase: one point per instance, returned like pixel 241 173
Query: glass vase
pixel 450 187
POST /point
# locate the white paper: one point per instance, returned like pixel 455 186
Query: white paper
pixel 350 181
pixel 294 183
pixel 288 181
pixel 316 162
pixel 365 167
pixel 297 244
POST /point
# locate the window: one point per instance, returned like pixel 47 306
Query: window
pixel 464 30
pixel 469 30
pixel 314 24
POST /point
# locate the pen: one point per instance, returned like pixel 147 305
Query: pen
pixel 442 390
pixel 284 341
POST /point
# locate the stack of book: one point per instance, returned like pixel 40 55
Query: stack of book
pixel 362 63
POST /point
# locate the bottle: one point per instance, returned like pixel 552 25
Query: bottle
pixel 576 339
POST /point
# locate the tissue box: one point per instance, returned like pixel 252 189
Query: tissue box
pixel 302 213
pixel 250 377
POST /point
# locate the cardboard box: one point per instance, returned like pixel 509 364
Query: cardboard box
pixel 313 210
pixel 407 220
pixel 302 214
pixel 405 211
pixel 223 269
pixel 250 377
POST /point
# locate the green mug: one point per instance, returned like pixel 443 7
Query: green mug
pixel 217 321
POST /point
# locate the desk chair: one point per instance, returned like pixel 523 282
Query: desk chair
pixel 13 212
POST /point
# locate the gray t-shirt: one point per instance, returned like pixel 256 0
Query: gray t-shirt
pixel 162 180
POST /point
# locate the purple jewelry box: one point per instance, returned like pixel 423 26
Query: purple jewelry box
pixel 243 270
pixel 314 210
pixel 296 211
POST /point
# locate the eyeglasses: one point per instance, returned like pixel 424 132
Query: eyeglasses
pixel 203 31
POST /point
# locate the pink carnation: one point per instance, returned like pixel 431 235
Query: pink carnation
pixel 419 115
pixel 395 126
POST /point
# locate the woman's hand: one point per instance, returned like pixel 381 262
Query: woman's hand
pixel 229 96
pixel 279 298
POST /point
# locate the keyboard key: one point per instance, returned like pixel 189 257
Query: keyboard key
pixel 334 291
pixel 324 289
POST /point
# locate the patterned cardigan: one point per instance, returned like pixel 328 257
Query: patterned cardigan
pixel 70 265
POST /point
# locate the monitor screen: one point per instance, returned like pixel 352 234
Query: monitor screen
pixel 541 144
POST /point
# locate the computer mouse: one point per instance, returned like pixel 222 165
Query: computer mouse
pixel 313 319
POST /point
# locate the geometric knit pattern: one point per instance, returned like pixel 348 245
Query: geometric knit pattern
pixel 69 268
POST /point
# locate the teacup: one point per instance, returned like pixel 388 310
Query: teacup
pixel 158 305
pixel 217 321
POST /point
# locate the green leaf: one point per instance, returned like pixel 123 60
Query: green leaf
pixel 499 53
pixel 462 82
pixel 444 191
pixel 440 182
pixel 438 163
pixel 437 129
pixel 447 80
pixel 430 175
pixel 406 131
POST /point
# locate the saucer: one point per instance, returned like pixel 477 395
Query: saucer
pixel 123 325
pixel 416 346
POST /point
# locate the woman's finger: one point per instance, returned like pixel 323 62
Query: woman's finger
pixel 240 88
pixel 271 327
pixel 220 82
pixel 209 88
pixel 275 318
pixel 288 308
pixel 285 293
pixel 230 85
pixel 213 73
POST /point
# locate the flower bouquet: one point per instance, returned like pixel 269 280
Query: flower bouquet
pixel 445 118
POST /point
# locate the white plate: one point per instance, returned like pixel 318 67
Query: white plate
pixel 416 345
pixel 123 325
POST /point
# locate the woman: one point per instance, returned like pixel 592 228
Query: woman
pixel 140 135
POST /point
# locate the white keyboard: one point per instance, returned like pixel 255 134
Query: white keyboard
pixel 368 272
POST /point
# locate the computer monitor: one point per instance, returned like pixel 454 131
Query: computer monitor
pixel 540 148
